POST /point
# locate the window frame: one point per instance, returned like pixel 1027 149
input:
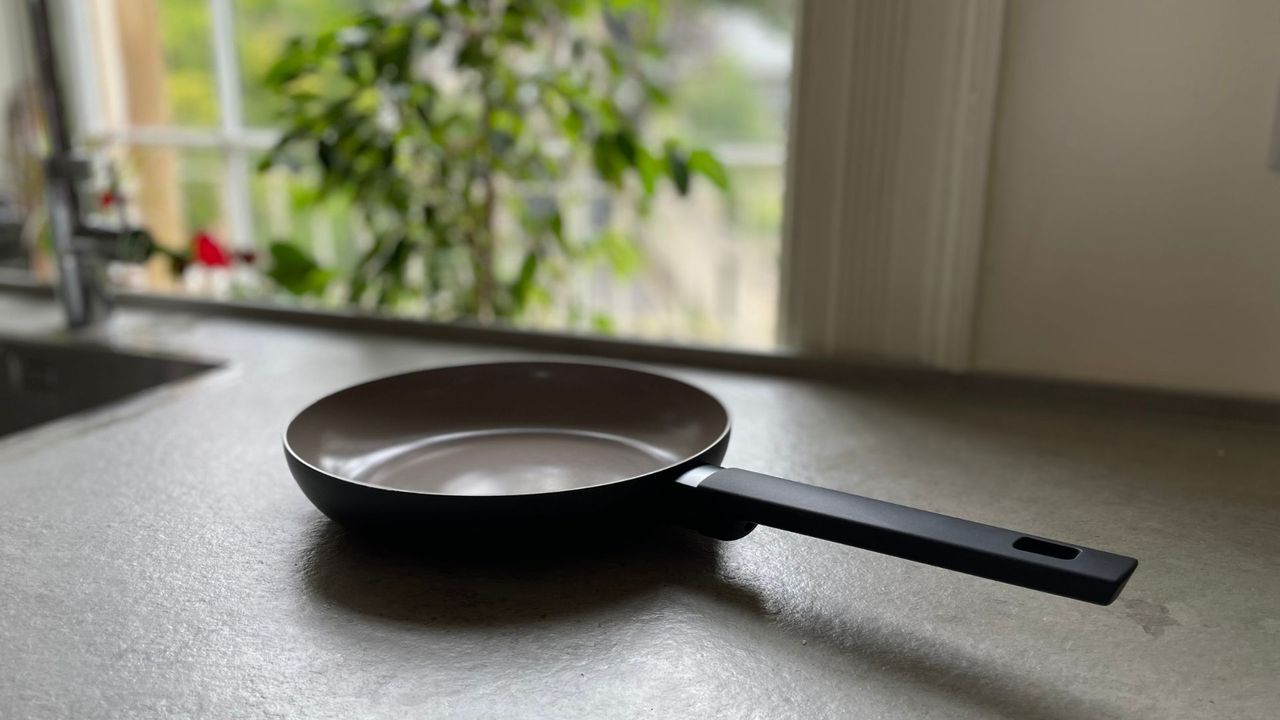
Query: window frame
pixel 892 107
pixel 100 101
pixel 90 23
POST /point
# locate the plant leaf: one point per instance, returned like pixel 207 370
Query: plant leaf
pixel 707 165
pixel 603 324
pixel 522 288
pixel 678 167
pixel 622 254
pixel 296 271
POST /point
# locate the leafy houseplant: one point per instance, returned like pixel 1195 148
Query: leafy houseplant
pixel 458 132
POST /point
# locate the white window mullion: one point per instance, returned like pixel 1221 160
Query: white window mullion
pixel 235 185
pixel 247 140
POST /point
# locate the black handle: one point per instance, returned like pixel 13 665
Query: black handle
pixel 968 547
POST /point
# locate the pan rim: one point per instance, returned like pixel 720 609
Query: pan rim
pixel 724 433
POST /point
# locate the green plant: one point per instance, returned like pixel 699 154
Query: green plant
pixel 463 131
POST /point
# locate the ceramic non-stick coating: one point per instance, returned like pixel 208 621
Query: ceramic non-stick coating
pixel 507 428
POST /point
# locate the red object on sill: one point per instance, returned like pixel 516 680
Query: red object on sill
pixel 209 252
pixel 106 199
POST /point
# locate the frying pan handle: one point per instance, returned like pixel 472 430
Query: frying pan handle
pixel 968 547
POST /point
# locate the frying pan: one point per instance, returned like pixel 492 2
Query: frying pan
pixel 523 449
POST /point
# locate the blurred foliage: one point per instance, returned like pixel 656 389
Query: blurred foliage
pixel 717 95
pixel 457 130
pixel 261 27
pixel 297 272
pixel 200 173
pixel 185 30
pixel 188 57
pixel 720 100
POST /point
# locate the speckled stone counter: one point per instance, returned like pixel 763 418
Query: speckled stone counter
pixel 157 560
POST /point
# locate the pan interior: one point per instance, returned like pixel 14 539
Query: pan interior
pixel 506 428
pixel 507 461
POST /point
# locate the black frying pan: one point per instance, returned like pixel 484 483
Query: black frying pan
pixel 528 448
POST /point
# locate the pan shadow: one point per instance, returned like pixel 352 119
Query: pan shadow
pixel 499 581
pixel 447 584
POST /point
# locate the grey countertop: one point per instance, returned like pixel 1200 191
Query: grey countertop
pixel 157 560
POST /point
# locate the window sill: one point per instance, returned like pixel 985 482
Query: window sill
pixel 866 372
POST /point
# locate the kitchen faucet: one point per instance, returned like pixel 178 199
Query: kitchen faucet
pixel 81 250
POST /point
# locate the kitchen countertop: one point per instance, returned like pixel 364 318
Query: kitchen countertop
pixel 157 560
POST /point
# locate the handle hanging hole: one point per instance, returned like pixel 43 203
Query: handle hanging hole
pixel 1044 547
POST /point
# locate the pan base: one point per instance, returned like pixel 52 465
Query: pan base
pixel 507 462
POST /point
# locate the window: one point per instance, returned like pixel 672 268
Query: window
pixel 171 91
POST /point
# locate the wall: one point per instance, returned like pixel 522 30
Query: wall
pixel 1133 225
